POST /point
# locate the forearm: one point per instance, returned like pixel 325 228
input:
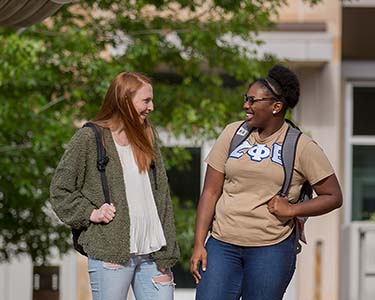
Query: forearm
pixel 212 190
pixel 319 205
pixel 205 214
pixel 72 208
pixel 329 198
pixel 67 200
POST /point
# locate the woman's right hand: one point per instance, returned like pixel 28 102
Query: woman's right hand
pixel 212 189
pixel 104 214
pixel 199 256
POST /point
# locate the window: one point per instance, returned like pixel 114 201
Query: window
pixel 360 154
pixel 363 111
pixel 185 185
pixel 46 283
pixel 363 199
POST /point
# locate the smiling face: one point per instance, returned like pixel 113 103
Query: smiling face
pixel 260 113
pixel 143 101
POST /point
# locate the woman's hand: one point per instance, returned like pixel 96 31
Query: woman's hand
pixel 199 256
pixel 280 207
pixel 104 214
pixel 329 197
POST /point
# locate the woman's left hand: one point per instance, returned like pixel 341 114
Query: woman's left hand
pixel 280 207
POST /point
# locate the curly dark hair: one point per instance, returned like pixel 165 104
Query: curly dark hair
pixel 289 83
pixel 282 83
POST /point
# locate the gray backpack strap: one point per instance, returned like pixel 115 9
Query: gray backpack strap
pixel 288 151
pixel 288 155
pixel 241 134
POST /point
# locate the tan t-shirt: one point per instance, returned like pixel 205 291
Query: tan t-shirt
pixel 253 175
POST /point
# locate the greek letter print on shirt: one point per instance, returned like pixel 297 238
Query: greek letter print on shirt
pixel 258 152
pixel 253 175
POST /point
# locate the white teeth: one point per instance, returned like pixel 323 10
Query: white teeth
pixel 249 116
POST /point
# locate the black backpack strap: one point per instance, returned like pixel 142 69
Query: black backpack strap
pixel 288 155
pixel 291 124
pixel 242 133
pixel 102 158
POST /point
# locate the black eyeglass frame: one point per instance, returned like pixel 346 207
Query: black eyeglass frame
pixel 251 99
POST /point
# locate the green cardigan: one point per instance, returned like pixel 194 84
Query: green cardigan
pixel 76 190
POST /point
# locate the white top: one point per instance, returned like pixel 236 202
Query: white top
pixel 146 231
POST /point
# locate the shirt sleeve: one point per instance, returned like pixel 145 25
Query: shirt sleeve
pixel 66 198
pixel 314 164
pixel 219 153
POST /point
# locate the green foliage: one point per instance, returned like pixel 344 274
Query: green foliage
pixel 185 219
pixel 176 157
pixel 30 142
pixel 54 74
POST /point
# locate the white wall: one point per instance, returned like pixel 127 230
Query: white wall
pixel 319 113
pixel 15 279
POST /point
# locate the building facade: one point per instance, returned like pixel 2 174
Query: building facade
pixel 331 47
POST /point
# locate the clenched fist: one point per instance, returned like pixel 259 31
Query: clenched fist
pixel 280 207
pixel 104 214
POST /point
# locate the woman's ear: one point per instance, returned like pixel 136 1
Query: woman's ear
pixel 277 107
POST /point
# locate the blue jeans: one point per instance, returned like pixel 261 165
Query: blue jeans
pixel 111 281
pixel 253 273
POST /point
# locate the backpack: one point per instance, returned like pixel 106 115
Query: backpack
pixel 288 154
pixel 102 160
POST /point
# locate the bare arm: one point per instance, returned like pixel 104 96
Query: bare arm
pixel 212 189
pixel 329 197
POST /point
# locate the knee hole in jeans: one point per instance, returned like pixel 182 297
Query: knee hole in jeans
pixel 111 266
pixel 164 279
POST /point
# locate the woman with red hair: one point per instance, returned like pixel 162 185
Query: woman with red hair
pixel 131 241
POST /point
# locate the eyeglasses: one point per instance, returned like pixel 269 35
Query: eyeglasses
pixel 251 99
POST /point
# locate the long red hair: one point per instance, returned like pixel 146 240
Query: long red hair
pixel 118 110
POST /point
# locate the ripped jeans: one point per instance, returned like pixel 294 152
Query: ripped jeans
pixel 111 282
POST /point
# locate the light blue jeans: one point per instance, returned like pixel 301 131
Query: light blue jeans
pixel 111 281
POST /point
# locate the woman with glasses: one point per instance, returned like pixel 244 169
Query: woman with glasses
pixel 251 249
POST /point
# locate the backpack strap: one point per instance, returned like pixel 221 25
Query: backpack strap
pixel 242 133
pixel 102 158
pixel 288 155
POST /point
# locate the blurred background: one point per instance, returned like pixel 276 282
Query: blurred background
pixel 57 58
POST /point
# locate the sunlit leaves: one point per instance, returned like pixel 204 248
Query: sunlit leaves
pixel 55 74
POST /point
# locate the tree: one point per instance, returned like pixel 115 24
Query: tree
pixel 54 74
